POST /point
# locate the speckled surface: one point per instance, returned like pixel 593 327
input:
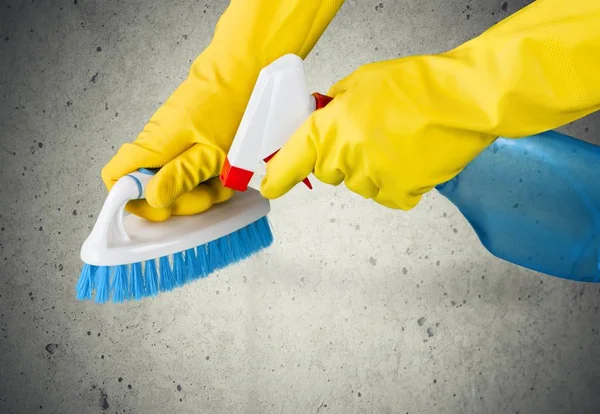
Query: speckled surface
pixel 385 312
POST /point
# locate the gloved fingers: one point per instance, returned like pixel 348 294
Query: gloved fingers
pixel 393 200
pixel 193 202
pixel 219 193
pixel 142 209
pixel 183 173
pixel 331 176
pixel 294 162
pixel 201 198
pixel 361 185
pixel 328 168
pixel 142 153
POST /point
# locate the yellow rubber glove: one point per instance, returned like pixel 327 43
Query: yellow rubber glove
pixel 396 129
pixel 190 134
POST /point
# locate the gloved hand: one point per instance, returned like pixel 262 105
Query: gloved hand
pixel 396 129
pixel 190 134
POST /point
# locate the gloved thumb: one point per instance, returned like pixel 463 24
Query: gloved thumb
pixel 294 161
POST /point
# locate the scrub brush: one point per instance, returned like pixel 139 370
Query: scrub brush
pixel 126 257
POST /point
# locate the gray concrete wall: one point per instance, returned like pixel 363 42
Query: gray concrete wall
pixel 390 312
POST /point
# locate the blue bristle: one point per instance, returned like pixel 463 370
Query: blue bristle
pixel 179 269
pixel 85 285
pixel 248 244
pixel 102 284
pixel 195 263
pixel 247 240
pixel 213 256
pixel 202 258
pixel 242 241
pixel 236 245
pixel 202 261
pixel 263 232
pixel 120 287
pixel 151 278
pixel 166 275
pixel 222 252
pixel 137 281
pixel 191 265
pixel 226 251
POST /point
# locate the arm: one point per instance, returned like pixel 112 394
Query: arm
pixel 398 128
pixel 536 70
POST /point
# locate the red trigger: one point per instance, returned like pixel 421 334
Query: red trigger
pixel 307 183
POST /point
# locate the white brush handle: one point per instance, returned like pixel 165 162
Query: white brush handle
pixel 109 225
pixel 141 179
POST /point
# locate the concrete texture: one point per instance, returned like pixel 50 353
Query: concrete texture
pixel 382 312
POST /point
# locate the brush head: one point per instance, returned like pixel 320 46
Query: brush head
pixel 148 279
pixel 118 238
pixel 127 257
